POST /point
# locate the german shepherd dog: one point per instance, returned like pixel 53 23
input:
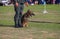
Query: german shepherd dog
pixel 24 19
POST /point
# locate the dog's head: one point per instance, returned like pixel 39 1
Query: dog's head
pixel 30 13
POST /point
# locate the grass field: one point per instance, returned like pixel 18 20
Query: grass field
pixel 41 26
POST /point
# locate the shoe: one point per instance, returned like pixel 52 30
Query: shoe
pixel 16 26
pixel 20 26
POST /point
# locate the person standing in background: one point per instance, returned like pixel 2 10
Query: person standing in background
pixel 54 1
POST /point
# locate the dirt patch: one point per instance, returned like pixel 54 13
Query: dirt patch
pixel 26 33
pixel 46 34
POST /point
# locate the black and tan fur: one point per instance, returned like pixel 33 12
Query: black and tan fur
pixel 24 19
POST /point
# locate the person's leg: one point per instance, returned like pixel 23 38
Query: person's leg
pixel 16 17
pixel 20 15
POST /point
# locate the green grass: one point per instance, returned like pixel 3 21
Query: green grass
pixel 41 26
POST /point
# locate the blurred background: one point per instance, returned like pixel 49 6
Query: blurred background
pixel 31 2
